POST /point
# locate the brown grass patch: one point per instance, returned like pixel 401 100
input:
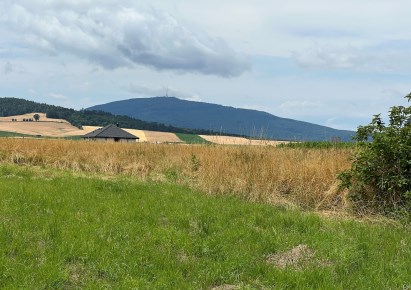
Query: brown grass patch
pixel 297 258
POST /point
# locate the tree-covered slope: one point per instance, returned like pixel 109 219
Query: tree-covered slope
pixel 16 106
pixel 198 115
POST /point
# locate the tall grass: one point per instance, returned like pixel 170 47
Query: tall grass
pixel 319 145
pixel 302 177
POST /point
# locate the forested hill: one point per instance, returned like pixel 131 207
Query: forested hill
pixel 16 106
pixel 227 120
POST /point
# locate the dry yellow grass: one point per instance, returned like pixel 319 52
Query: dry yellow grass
pixel 259 173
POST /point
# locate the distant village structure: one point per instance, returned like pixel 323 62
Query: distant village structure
pixel 111 133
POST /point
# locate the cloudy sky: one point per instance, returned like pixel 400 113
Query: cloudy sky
pixel 333 63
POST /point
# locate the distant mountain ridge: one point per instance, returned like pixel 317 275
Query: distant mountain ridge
pixel 16 106
pixel 198 115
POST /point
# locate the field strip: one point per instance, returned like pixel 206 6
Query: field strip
pixel 161 137
pixel 228 140
pixel 52 129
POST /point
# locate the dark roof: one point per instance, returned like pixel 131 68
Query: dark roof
pixel 110 131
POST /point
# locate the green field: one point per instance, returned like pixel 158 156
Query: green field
pixel 192 139
pixel 12 134
pixel 63 231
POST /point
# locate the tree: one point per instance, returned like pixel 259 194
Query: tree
pixel 36 117
pixel 380 176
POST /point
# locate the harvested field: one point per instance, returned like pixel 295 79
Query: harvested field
pixel 47 128
pixel 139 133
pixel 44 127
pixel 228 140
pixel 161 137
pixel 88 129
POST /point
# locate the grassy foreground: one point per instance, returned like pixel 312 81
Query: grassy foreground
pixel 60 230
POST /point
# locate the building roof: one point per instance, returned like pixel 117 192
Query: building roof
pixel 110 131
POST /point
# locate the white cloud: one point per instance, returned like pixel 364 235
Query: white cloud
pixel 114 36
pixel 59 97
pixel 383 57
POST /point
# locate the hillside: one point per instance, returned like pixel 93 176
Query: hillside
pixel 45 129
pixel 228 120
pixel 16 106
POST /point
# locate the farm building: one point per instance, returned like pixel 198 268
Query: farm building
pixel 110 133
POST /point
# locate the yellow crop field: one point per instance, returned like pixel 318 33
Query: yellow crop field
pixel 229 140
pixel 303 177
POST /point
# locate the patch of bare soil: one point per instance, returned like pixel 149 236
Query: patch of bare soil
pixel 298 258
pixel 225 287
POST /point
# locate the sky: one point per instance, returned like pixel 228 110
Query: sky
pixel 333 63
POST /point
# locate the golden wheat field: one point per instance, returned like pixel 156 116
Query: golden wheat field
pixel 303 177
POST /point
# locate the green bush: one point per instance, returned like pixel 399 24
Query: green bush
pixel 380 176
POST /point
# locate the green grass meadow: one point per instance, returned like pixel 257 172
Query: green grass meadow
pixel 65 231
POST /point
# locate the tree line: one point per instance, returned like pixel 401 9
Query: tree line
pixel 79 118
